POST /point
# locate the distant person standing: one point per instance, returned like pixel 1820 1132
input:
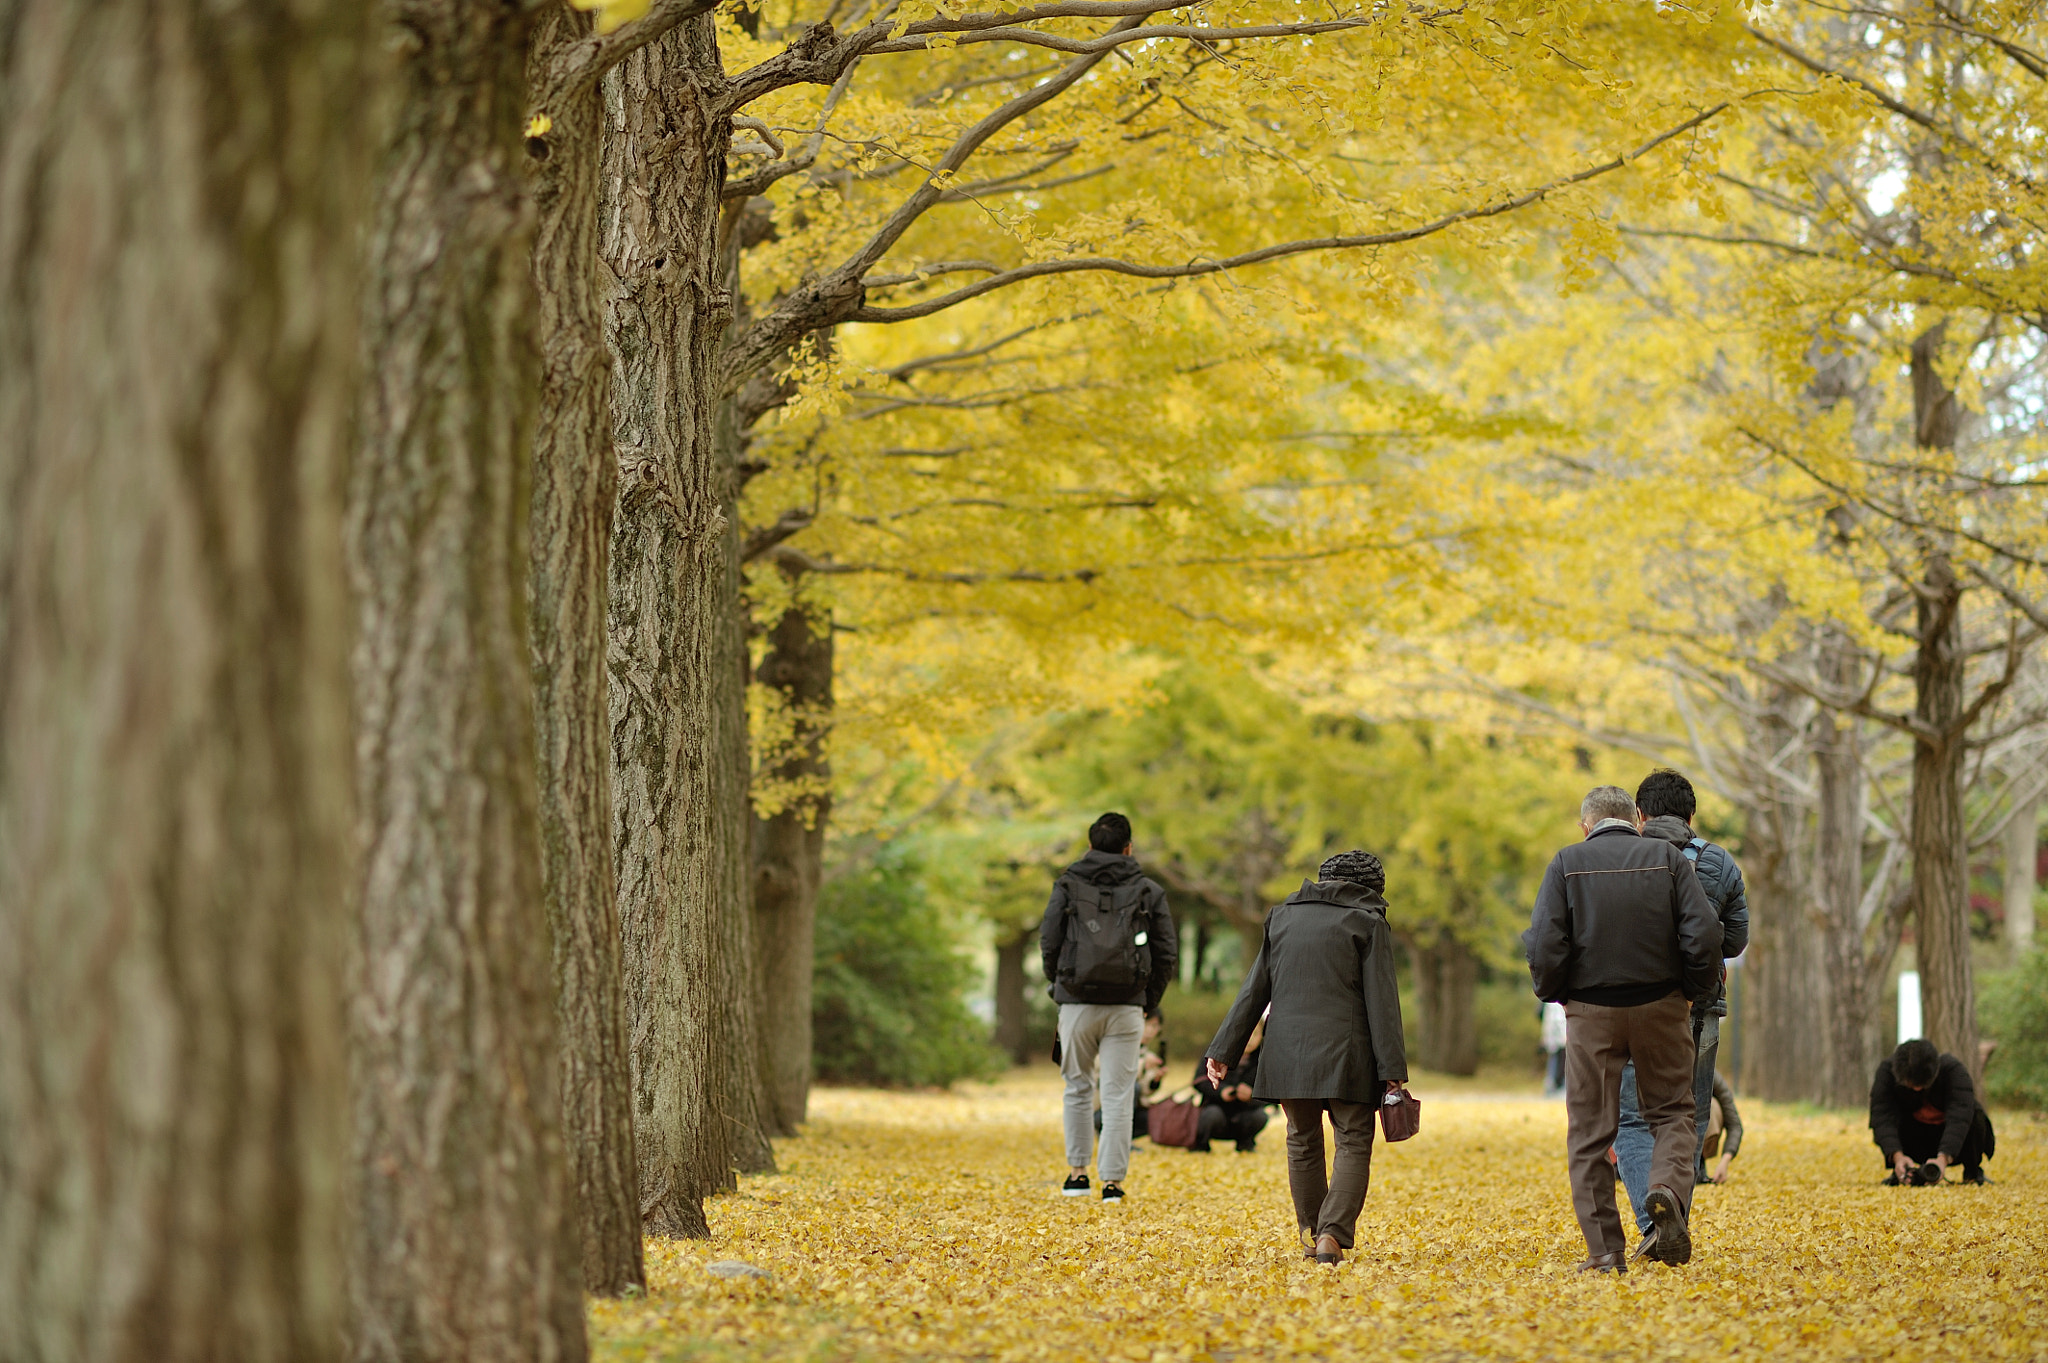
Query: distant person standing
pixel 1333 1041
pixel 1553 1029
pixel 1109 951
pixel 1667 804
pixel 1924 1116
pixel 1622 936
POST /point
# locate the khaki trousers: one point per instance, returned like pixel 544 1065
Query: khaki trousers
pixel 1598 1042
pixel 1328 1205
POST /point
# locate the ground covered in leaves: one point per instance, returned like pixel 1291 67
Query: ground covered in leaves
pixel 913 1226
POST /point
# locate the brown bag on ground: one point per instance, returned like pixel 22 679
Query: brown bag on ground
pixel 1172 1121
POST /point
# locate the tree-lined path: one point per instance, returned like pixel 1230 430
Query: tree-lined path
pixel 929 1226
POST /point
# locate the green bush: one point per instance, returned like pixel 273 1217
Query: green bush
pixel 2014 1010
pixel 887 1006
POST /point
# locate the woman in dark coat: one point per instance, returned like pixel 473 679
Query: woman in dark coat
pixel 1333 1043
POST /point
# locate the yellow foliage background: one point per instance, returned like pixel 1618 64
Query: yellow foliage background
pixel 930 1226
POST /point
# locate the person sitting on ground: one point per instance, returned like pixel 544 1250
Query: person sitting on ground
pixel 1333 1043
pixel 1724 1131
pixel 1109 950
pixel 1229 1111
pixel 1622 936
pixel 1924 1116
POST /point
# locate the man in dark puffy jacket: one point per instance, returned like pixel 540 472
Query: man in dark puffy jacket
pixel 1667 803
pixel 1622 936
pixel 1109 951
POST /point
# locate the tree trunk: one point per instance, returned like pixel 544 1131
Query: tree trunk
pixel 1012 1012
pixel 1838 890
pixel 2022 860
pixel 181 191
pixel 1940 845
pixel 467 1246
pixel 575 484
pixel 1446 979
pixel 1783 1019
pixel 688 1010
pixel 790 852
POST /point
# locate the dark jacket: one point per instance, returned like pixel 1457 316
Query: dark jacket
pixel 1951 1094
pixel 1110 869
pixel 1621 920
pixel 1721 881
pixel 1326 965
pixel 1245 1071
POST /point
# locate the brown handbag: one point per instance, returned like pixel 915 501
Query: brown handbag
pixel 1172 1121
pixel 1400 1114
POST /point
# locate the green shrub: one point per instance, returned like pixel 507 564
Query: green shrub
pixel 2014 1010
pixel 1510 1024
pixel 887 1006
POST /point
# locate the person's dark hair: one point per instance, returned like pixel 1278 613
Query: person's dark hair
pixel 1358 867
pixel 1915 1063
pixel 1110 833
pixel 1665 791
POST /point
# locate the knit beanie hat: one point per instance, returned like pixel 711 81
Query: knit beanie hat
pixel 1360 868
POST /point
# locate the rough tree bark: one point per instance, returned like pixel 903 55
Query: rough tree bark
pixel 688 1004
pixel 467 1245
pixel 2022 860
pixel 575 485
pixel 1446 981
pixel 789 855
pixel 1938 834
pixel 180 212
pixel 1845 981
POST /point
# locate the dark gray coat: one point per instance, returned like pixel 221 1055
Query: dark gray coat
pixel 1327 967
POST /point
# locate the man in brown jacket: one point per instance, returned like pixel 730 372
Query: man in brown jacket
pixel 1623 936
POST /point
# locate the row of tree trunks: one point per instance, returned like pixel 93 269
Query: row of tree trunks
pixel 575 484
pixel 180 220
pixel 1012 1013
pixel 2022 861
pixel 1844 980
pixel 466 1244
pixel 663 169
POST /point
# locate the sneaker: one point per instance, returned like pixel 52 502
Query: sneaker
pixel 1112 1192
pixel 1075 1186
pixel 1667 1218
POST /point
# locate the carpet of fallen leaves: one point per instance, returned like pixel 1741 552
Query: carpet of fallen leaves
pixel 929 1226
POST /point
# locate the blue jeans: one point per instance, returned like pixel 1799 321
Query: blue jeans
pixel 1633 1143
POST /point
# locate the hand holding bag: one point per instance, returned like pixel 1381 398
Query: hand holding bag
pixel 1400 1114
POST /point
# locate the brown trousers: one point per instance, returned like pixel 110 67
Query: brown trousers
pixel 1598 1042
pixel 1328 1206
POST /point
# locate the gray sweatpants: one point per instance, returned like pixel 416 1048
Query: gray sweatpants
pixel 1110 1032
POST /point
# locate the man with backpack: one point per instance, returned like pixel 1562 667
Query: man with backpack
pixel 1109 951
pixel 1667 803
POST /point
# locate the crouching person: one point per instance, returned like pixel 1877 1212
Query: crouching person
pixel 1229 1111
pixel 1924 1117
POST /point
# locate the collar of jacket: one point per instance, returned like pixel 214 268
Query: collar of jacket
pixel 1105 868
pixel 1606 826
pixel 1669 827
pixel 1347 893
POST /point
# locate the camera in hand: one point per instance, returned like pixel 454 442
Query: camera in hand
pixel 1926 1175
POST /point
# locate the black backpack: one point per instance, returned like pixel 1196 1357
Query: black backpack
pixel 1107 953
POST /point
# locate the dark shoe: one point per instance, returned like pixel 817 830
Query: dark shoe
pixel 1667 1222
pixel 1248 1148
pixel 1645 1245
pixel 1891 1180
pixel 1328 1251
pixel 1075 1186
pixel 1112 1192
pixel 1975 1176
pixel 1604 1263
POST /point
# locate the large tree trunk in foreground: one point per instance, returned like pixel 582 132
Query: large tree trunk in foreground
pixel 1939 837
pixel 789 851
pixel 180 199
pixel 467 1247
pixel 1844 979
pixel 575 484
pixel 688 1005
pixel 2022 859
pixel 1446 982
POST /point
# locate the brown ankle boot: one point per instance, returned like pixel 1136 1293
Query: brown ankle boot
pixel 1328 1251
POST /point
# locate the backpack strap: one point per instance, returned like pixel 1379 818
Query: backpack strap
pixel 1694 848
